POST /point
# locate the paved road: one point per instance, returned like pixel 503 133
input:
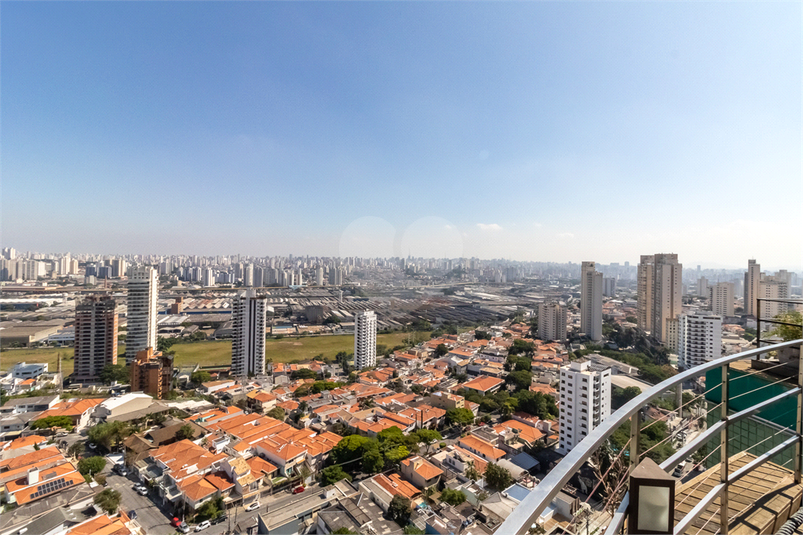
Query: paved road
pixel 152 519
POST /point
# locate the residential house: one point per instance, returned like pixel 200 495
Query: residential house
pixel 481 448
pixel 420 472
pixel 484 385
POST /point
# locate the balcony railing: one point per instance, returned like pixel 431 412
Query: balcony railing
pixel 533 505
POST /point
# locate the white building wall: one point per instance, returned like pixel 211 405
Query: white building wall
pixel 143 293
pixel 585 401
pixel 591 301
pixel 364 339
pixel 699 339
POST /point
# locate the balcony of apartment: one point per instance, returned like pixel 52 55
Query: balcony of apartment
pixel 746 455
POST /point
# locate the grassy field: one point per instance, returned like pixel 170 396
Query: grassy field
pixel 50 355
pixel 217 352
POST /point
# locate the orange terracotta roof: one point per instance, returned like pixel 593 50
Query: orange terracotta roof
pixel 422 467
pixel 483 383
pixel 102 525
pixel 72 408
pixel 259 465
pixel 30 458
pixel 22 442
pixel 396 485
pixel 196 487
pixel 471 442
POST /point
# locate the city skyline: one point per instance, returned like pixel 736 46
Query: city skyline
pixel 529 131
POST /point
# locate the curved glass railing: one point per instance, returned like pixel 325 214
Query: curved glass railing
pixel 528 512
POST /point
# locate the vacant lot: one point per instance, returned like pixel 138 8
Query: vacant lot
pixel 49 355
pixel 284 350
pixel 217 352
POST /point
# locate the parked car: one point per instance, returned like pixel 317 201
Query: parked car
pixel 92 446
pixel 220 519
pixel 175 522
pixel 132 515
pixel 183 527
pixel 203 525
pixel 142 491
pixel 299 490
pixel 253 506
pixel 140 486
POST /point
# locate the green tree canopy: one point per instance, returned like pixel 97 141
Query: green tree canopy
pixel 399 510
pixel 276 412
pixel 460 417
pixel 108 500
pixel 109 433
pixel 200 377
pixel 441 350
pixel 303 373
pixel 497 477
pixel 91 464
pixel 53 421
pixel 788 332
pixel 453 497
pixel 184 432
pixel 521 379
pixel 332 474
pixel 115 372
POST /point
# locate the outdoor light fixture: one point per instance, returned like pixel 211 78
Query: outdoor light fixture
pixel 652 499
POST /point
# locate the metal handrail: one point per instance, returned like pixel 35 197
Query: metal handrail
pixel 531 507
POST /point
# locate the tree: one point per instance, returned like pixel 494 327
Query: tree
pixel 76 449
pixel 521 379
pixel 108 500
pixel 461 417
pixel 53 421
pixel 92 465
pixel 620 396
pixel 303 373
pixel 211 509
pixel 453 497
pixel 110 433
pixel 395 456
pixel 372 461
pixel 185 432
pixel 399 509
pixel 114 372
pixel 349 449
pixel 412 529
pixel 332 474
pixel 441 350
pixel 276 412
pixel 427 436
pixel 200 377
pixel 537 404
pixel 497 477
pixel 164 344
pixel 472 473
pixel 788 332
pixel 343 531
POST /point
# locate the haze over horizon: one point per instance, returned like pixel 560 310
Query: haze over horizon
pixel 529 131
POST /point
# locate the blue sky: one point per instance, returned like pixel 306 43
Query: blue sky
pixel 531 131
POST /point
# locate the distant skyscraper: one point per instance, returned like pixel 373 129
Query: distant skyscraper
pixel 249 315
pixel 319 276
pixel 772 287
pixel 259 277
pixel 248 276
pixel 660 293
pixel 95 337
pixel 143 294
pixel 552 321
pixel 364 339
pixel 722 298
pixel 585 398
pixel 699 339
pixel 208 277
pixel 609 286
pixel 702 287
pixel 591 301
pixel 667 294
pixel 644 282
pixel 751 281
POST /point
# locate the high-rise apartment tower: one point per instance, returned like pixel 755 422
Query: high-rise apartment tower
pixel 95 337
pixel 364 339
pixel 585 400
pixel 143 294
pixel 249 316
pixel 591 301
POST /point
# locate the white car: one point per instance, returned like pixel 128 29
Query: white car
pixel 253 506
pixel 91 446
pixel 142 491
pixel 203 525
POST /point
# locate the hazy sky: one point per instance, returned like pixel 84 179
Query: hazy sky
pixel 525 130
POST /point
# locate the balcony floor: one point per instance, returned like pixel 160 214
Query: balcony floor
pixel 759 503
